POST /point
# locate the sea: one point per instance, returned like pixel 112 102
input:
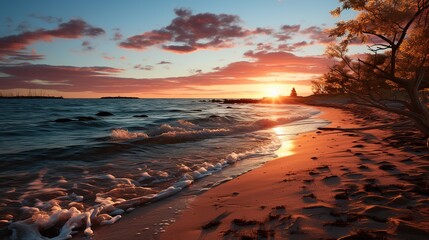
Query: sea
pixel 65 169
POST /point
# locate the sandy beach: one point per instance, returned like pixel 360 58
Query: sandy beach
pixel 347 185
pixel 367 184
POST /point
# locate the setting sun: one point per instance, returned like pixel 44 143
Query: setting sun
pixel 272 91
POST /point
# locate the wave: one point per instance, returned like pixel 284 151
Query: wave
pixel 125 196
pixel 189 130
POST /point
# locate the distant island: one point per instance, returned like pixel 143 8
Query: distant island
pixel 30 97
pixel 280 99
pixel 320 100
pixel 119 97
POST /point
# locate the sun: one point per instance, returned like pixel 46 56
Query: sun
pixel 272 91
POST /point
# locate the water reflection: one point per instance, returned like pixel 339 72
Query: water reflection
pixel 287 142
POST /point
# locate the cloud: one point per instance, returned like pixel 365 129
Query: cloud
pixel 23 27
pixel 318 34
pixel 117 36
pixel 141 67
pixel 48 19
pixel 107 56
pixel 267 31
pixel 187 33
pixel 286 32
pixel 294 46
pixel 86 46
pixel 25 56
pixel 72 29
pixel 164 62
pixel 264 46
pixel 261 65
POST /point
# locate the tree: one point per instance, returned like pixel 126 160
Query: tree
pixel 318 87
pixel 394 74
pixel 293 93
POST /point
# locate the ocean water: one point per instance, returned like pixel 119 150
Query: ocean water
pixel 67 176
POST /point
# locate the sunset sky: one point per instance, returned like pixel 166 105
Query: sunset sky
pixel 163 49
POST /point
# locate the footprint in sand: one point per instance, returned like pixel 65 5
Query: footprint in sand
pixel 352 175
pixel 331 180
pixel 363 167
pixel 387 167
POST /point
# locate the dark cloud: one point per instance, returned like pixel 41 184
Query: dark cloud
pixel 290 28
pixel 266 31
pixel 86 46
pixel 294 46
pixel 196 71
pixel 48 19
pixel 72 29
pixel 141 67
pixel 318 34
pixel 286 32
pixel 264 47
pixel 188 32
pixel 23 27
pixel 24 56
pixel 164 62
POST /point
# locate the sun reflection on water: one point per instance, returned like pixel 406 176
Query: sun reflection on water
pixel 287 142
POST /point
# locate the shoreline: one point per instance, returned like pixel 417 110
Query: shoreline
pixel 337 184
pixel 166 210
pixel 329 175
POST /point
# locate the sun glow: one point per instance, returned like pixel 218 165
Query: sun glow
pixel 272 91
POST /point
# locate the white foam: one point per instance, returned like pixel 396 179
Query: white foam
pixel 124 134
pixel 144 176
pixel 204 129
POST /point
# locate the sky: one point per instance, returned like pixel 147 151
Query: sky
pixel 164 48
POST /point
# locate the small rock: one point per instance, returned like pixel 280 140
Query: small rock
pixel 83 118
pixel 104 114
pixel 141 116
pixel 60 120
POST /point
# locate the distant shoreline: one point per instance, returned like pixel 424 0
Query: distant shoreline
pixel 119 97
pixel 30 97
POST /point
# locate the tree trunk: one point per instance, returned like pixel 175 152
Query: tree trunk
pixel 418 106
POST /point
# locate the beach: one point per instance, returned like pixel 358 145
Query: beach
pixel 337 184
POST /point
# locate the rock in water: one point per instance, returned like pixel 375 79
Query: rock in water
pixel 59 120
pixel 104 114
pixel 83 118
pixel 141 116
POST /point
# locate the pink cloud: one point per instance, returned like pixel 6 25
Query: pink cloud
pixel 108 80
pixel 287 31
pixel 23 56
pixel 72 29
pixel 294 46
pixel 188 33
pixel 318 34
